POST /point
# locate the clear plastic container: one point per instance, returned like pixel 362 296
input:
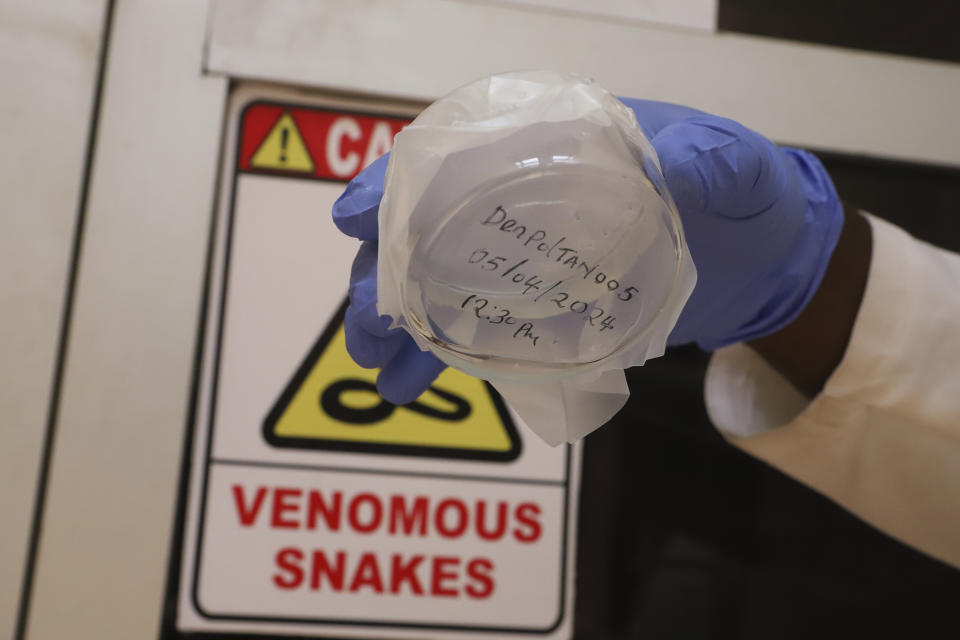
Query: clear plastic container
pixel 530 238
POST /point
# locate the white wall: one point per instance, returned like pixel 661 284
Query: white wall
pixel 111 496
pixel 48 62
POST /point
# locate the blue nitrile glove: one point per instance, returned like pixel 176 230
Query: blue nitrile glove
pixel 406 371
pixel 761 222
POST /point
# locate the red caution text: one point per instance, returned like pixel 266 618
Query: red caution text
pixel 397 515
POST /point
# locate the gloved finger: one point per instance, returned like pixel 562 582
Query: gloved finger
pixel 355 211
pixel 652 116
pixel 717 166
pixel 363 293
pixel 408 374
pixel 370 341
pixel 368 350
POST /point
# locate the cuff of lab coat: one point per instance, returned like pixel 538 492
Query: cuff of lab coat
pixel 882 439
pixel 745 396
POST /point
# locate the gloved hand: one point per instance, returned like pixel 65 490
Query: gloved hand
pixel 761 222
pixel 406 372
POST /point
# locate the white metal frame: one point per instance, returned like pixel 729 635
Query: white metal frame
pixel 807 95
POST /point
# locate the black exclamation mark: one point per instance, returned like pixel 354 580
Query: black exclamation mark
pixel 284 134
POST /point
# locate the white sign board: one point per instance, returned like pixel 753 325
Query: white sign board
pixel 316 507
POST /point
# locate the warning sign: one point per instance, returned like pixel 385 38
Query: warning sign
pixel 458 417
pixel 315 507
pixel 283 149
pixel 325 143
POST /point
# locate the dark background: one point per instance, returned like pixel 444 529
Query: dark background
pixel 682 536
pixel 918 28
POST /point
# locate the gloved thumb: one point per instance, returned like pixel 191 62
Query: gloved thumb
pixel 355 211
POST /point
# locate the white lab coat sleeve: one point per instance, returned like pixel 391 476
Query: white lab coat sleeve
pixel 883 437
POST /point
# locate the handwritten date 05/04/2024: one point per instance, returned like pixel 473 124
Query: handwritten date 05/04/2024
pixel 596 317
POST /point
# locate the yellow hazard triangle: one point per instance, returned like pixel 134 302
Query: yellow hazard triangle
pixel 283 149
pixel 332 403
